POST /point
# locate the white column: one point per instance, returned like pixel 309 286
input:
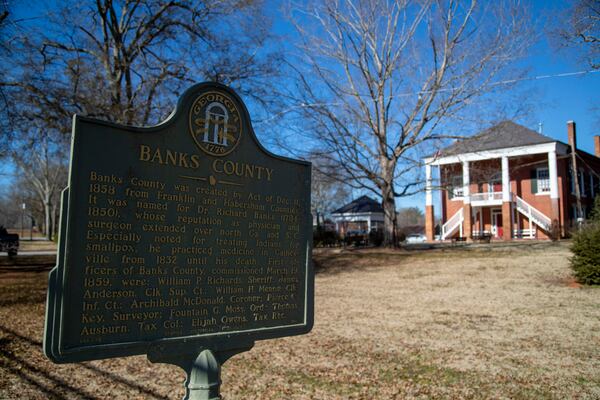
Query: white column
pixel 466 182
pixel 428 181
pixel 552 172
pixel 505 180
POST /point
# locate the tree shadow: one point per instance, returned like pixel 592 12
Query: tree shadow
pixel 355 260
pixel 22 287
pixel 23 369
pixel 21 366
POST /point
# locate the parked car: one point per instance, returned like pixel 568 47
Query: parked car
pixel 415 238
pixel 9 242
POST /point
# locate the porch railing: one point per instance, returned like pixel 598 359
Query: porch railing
pixel 534 214
pixel 452 224
pixel 486 196
pixel 529 233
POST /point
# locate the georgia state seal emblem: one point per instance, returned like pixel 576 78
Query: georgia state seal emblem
pixel 215 123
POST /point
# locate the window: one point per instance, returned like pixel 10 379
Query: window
pixel 456 189
pixel 543 180
pixel 582 184
pixel 495 183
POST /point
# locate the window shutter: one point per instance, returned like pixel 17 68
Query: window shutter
pixel 534 181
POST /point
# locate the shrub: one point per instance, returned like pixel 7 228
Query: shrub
pixel 325 238
pixel 401 236
pixel 586 250
pixel 586 254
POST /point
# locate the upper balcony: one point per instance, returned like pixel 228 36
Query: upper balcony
pixel 486 199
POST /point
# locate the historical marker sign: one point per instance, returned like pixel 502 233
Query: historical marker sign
pixel 180 237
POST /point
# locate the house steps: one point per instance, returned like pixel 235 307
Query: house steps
pixel 454 223
pixel 534 215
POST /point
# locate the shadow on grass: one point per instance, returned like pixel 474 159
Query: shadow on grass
pixel 29 293
pixel 350 260
pixel 355 260
pixel 27 372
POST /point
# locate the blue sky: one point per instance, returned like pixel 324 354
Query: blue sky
pixel 556 99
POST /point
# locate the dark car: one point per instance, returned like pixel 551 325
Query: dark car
pixel 9 242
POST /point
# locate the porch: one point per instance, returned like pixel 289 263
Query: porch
pixel 490 217
pixel 479 193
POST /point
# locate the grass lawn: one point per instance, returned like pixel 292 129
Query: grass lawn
pixel 502 322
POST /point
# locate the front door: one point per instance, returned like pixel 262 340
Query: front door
pixel 497 223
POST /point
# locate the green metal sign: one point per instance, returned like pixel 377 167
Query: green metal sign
pixel 186 241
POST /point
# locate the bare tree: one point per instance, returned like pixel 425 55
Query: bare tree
pixel 5 105
pixel 4 20
pixel 379 80
pixel 127 61
pixel 411 216
pixel 41 162
pixel 327 190
pixel 12 213
pixel 583 30
pixel 124 61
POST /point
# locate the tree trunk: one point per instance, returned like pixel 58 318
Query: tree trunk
pixel 47 224
pixel 389 216
pixel 55 220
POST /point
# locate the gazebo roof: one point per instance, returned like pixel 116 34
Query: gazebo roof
pixel 363 204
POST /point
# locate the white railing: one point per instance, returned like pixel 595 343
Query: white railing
pixel 534 214
pixel 524 233
pixel 486 196
pixel 453 223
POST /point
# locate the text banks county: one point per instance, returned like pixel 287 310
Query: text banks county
pixel 189 233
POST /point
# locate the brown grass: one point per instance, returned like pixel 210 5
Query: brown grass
pixel 500 322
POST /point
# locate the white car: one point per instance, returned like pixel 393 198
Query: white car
pixel 415 238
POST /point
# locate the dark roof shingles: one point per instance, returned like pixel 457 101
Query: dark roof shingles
pixel 503 135
pixel 363 204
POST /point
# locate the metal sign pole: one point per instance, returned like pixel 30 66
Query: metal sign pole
pixel 203 368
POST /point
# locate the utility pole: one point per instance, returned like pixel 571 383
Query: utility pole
pixel 572 132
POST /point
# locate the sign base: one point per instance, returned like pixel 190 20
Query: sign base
pixel 203 369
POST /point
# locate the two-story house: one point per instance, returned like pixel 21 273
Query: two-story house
pixel 511 182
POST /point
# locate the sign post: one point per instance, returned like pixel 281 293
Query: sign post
pixel 187 242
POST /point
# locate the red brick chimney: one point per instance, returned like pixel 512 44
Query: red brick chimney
pixel 572 133
pixel 597 146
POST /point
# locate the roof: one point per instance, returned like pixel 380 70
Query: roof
pixel 363 204
pixel 500 136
